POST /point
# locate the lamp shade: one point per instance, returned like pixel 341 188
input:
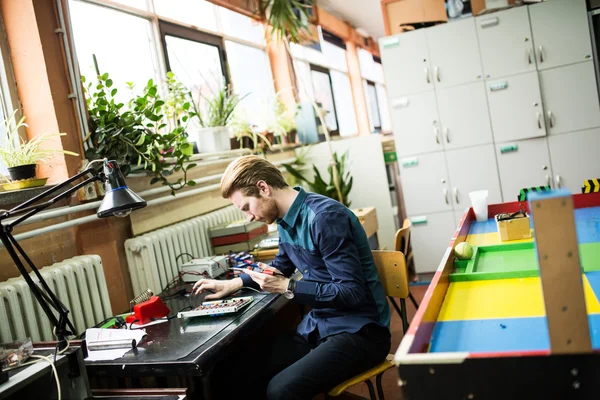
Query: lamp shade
pixel 119 200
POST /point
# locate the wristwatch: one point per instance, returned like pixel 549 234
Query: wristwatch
pixel 289 293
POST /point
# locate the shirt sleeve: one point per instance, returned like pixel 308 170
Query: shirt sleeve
pixel 332 235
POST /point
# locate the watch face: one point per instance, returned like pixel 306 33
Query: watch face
pixel 289 295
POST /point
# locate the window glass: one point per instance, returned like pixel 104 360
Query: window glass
pixel 344 104
pixel 373 107
pixel 251 76
pixel 125 53
pixel 241 27
pixel 335 56
pixel 199 13
pixel 324 97
pixel 141 4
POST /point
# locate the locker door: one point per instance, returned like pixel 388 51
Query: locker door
pixel 405 60
pixel 570 98
pixel 575 158
pixel 516 107
pixel 415 124
pixel 560 32
pixel 523 164
pixel 464 115
pixel 425 183
pixel 505 43
pixel 471 169
pixel 454 53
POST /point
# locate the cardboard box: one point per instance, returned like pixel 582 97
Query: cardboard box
pixel 483 6
pixel 514 228
pixel 368 219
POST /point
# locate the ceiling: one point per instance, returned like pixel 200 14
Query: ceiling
pixel 365 14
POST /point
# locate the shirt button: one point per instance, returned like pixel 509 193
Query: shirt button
pixel 306 271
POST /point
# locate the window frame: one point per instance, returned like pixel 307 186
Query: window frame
pixel 318 68
pixel 182 32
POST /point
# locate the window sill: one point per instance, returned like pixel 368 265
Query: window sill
pixel 15 197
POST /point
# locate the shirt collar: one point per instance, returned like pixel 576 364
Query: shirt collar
pixel 291 215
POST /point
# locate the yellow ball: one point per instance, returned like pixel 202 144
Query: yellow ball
pixel 463 251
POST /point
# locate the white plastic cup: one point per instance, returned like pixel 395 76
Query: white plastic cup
pixel 479 201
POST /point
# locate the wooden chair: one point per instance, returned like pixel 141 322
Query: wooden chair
pixel 401 241
pixel 392 273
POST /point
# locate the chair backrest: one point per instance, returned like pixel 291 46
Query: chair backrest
pixel 391 265
pixel 402 237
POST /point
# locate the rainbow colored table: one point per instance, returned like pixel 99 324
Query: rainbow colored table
pixel 481 330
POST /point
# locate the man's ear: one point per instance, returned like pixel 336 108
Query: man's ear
pixel 263 188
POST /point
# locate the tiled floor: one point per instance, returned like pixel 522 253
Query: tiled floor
pixel 390 378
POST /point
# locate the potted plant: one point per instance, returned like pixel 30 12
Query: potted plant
pixel 20 156
pixel 215 121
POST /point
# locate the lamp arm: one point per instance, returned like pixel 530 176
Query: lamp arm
pixel 34 209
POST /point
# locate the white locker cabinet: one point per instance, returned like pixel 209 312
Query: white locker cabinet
pixel 454 53
pixel 415 124
pixel 516 107
pixel 570 98
pixel 459 214
pixel 472 169
pixel 560 32
pixel 575 158
pixel 430 236
pixel 464 116
pixel 425 183
pixel 405 61
pixel 523 164
pixel 505 43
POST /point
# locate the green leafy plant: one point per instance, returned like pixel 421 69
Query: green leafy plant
pixel 318 185
pixel 139 135
pixel 16 151
pixel 219 109
pixel 288 18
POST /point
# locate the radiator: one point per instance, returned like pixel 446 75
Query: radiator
pixel 78 282
pixel 152 257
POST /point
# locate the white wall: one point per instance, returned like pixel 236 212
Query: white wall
pixel 370 187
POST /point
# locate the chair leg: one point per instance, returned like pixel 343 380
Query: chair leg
pixel 371 389
pixel 379 387
pixel 403 315
pixel 395 305
pixel 412 298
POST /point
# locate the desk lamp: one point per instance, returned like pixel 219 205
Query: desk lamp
pixel 119 200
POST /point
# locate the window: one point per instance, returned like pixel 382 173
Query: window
pixel 373 106
pixel 242 27
pixel 384 109
pixel 198 13
pixel 7 90
pixel 321 82
pixel 251 77
pixel 126 53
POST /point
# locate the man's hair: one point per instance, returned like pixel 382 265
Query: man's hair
pixel 244 173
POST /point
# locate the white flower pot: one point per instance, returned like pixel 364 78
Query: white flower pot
pixel 210 140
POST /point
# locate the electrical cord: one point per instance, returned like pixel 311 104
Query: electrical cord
pixel 183 254
pixel 44 358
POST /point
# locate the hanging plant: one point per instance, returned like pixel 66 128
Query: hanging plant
pixel 138 134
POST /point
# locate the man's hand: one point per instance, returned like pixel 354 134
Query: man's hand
pixel 217 288
pixel 269 283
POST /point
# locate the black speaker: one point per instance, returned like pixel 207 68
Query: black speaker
pixel 3 375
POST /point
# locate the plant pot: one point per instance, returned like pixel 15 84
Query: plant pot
pixel 210 140
pixel 21 172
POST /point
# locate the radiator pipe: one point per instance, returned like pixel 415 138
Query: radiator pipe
pixel 89 218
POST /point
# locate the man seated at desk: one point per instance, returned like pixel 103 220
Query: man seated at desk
pixel 347 330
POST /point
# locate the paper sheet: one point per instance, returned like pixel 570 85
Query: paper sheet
pixel 96 334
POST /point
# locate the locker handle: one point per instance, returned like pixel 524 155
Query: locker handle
pixel 446 195
pixel 551 119
pixel 435 132
pixel 437 74
pixel 446 134
pixel 541 53
pixel 427 75
pixel 529 55
pixel 455 190
pixel 558 181
pixel 548 181
pixel 539 122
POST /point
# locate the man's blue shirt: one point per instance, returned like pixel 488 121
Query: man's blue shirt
pixel 327 243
